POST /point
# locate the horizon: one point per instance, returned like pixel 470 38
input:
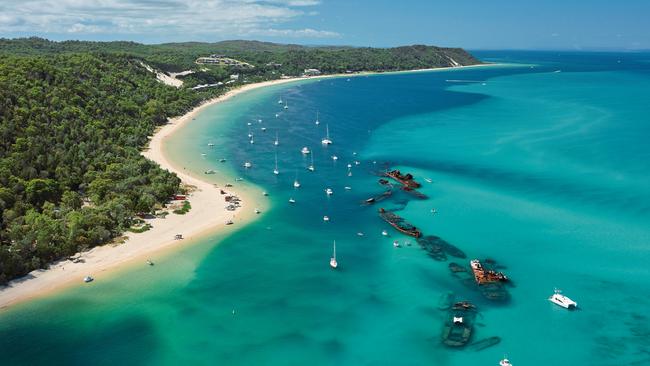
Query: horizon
pixel 507 25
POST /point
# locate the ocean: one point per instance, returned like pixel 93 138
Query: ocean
pixel 539 163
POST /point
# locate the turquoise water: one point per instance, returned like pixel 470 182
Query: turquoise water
pixel 544 171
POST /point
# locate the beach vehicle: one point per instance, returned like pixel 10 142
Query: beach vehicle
pixel 333 263
pixel 329 191
pixel 248 165
pixel 505 362
pixel 457 330
pixel 396 244
pixel 291 200
pixel 562 300
pixel 311 167
pixel 326 218
pixel 276 171
pixel 277 141
pixel 88 279
pixel 326 140
pixel 317 122
pixel 399 224
pixel 305 150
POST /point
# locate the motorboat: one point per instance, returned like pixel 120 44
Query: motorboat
pixel 562 300
pixel 326 218
pixel 505 362
pixel 348 188
pixel 291 200
pixel 334 157
pixel 296 184
pixel 396 244
pixel 88 279
pixel 257 211
pixel 329 191
pixel 384 233
pixel 248 165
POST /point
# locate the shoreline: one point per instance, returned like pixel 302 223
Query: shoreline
pixel 200 222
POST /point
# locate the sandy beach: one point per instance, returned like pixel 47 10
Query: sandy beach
pixel 204 218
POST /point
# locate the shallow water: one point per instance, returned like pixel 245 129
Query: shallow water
pixel 544 171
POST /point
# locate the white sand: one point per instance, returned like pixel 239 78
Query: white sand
pixel 207 217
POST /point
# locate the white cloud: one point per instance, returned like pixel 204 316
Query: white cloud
pixel 186 18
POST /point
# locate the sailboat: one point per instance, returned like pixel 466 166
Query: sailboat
pixel 326 140
pixel 311 167
pixel 286 106
pixel 276 142
pixel 276 171
pixel 333 262
pixel 296 184
pixel 317 121
pixel 280 101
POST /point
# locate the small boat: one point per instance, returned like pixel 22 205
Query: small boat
pixel 348 188
pixel 229 222
pixel 280 101
pixel 210 144
pixel 277 141
pixel 334 157
pixel 428 180
pixel 360 233
pixel 222 160
pixel 248 165
pixel 277 115
pixel 239 179
pixel 203 154
pixel 505 362
pixel 311 167
pixel 562 300
pixel 326 218
pixel 396 244
pixel 88 279
pixel 291 200
pixel 384 233
pixel 259 120
pixel 329 191
pixel 264 194
pixel 326 140
pixel 357 162
pixel 317 122
pixel 249 124
pixel 209 171
pixel 333 262
pixel 305 150
pixel 296 184
pixel 263 129
pixel 257 211
pixel 149 262
pixel 349 165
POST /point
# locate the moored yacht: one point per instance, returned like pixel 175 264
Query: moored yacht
pixel 276 171
pixel 291 200
pixel 329 191
pixel 296 184
pixel 248 164
pixel 326 140
pixel 333 263
pixel 305 150
pixel 317 122
pixel 277 141
pixel 562 300
pixel 505 362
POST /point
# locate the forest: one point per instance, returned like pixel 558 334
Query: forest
pixel 74 117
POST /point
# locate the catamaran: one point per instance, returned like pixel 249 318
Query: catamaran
pixel 326 140
pixel 276 171
pixel 317 122
pixel 333 262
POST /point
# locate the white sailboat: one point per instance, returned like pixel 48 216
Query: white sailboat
pixel 277 141
pixel 286 106
pixel 305 150
pixel 326 140
pixel 276 171
pixel 280 101
pixel 333 263
pixel 296 184
pixel 311 167
pixel 317 122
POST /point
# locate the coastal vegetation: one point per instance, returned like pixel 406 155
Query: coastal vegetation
pixel 74 117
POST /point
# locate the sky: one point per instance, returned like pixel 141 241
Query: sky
pixel 472 24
